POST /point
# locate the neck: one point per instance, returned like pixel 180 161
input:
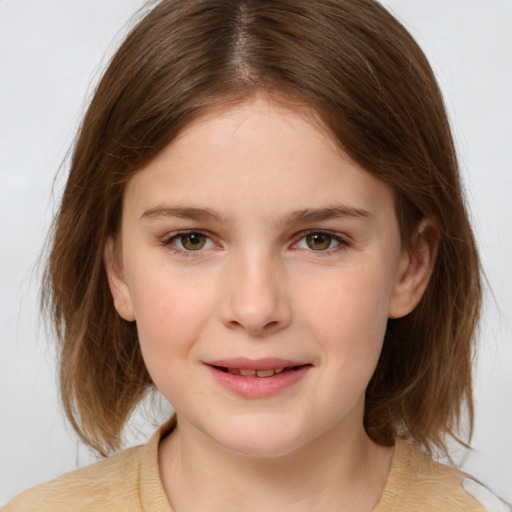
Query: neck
pixel 198 474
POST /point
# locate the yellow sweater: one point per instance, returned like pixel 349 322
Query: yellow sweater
pixel 130 482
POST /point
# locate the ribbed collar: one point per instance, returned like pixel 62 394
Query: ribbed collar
pixel 152 494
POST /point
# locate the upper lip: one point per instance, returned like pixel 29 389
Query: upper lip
pixel 266 363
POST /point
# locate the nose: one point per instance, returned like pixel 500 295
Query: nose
pixel 255 295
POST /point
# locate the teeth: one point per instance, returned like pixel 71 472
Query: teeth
pixel 265 373
pixel 246 372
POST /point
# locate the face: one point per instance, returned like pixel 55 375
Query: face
pixel 260 264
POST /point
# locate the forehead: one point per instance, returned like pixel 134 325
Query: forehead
pixel 257 157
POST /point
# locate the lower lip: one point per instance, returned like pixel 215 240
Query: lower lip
pixel 259 387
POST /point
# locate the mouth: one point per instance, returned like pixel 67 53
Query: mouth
pixel 258 378
pixel 263 373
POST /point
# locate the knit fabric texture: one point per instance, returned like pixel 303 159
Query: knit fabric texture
pixel 130 482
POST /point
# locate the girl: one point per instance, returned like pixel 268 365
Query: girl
pixel 264 220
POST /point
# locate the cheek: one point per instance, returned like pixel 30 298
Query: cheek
pixel 349 314
pixel 170 312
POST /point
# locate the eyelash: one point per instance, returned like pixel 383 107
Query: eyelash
pixel 343 243
pixel 167 243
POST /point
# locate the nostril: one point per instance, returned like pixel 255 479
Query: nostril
pixel 255 329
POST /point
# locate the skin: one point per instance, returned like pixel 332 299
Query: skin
pixel 246 179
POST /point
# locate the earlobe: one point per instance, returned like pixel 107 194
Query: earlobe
pixel 415 269
pixel 117 282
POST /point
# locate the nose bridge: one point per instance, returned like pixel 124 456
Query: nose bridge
pixel 255 292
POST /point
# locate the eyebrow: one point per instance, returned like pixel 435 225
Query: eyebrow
pixel 304 216
pixel 321 214
pixel 197 214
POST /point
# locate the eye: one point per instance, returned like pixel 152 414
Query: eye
pixel 191 241
pixel 319 241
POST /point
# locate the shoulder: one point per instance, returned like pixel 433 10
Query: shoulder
pixel 417 483
pixel 110 484
pixel 126 482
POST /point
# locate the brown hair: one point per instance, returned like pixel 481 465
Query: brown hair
pixel 361 72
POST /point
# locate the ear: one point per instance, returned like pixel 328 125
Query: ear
pixel 415 269
pixel 117 282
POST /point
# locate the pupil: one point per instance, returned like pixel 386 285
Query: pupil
pixel 318 241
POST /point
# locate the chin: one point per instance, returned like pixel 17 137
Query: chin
pixel 259 439
pixel 261 447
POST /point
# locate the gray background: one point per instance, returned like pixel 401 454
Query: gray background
pixel 52 51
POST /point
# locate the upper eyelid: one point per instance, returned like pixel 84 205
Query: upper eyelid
pixel 173 234
pixel 338 236
pixel 167 243
pixel 297 235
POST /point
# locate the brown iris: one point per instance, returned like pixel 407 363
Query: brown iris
pixel 193 241
pixel 318 241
